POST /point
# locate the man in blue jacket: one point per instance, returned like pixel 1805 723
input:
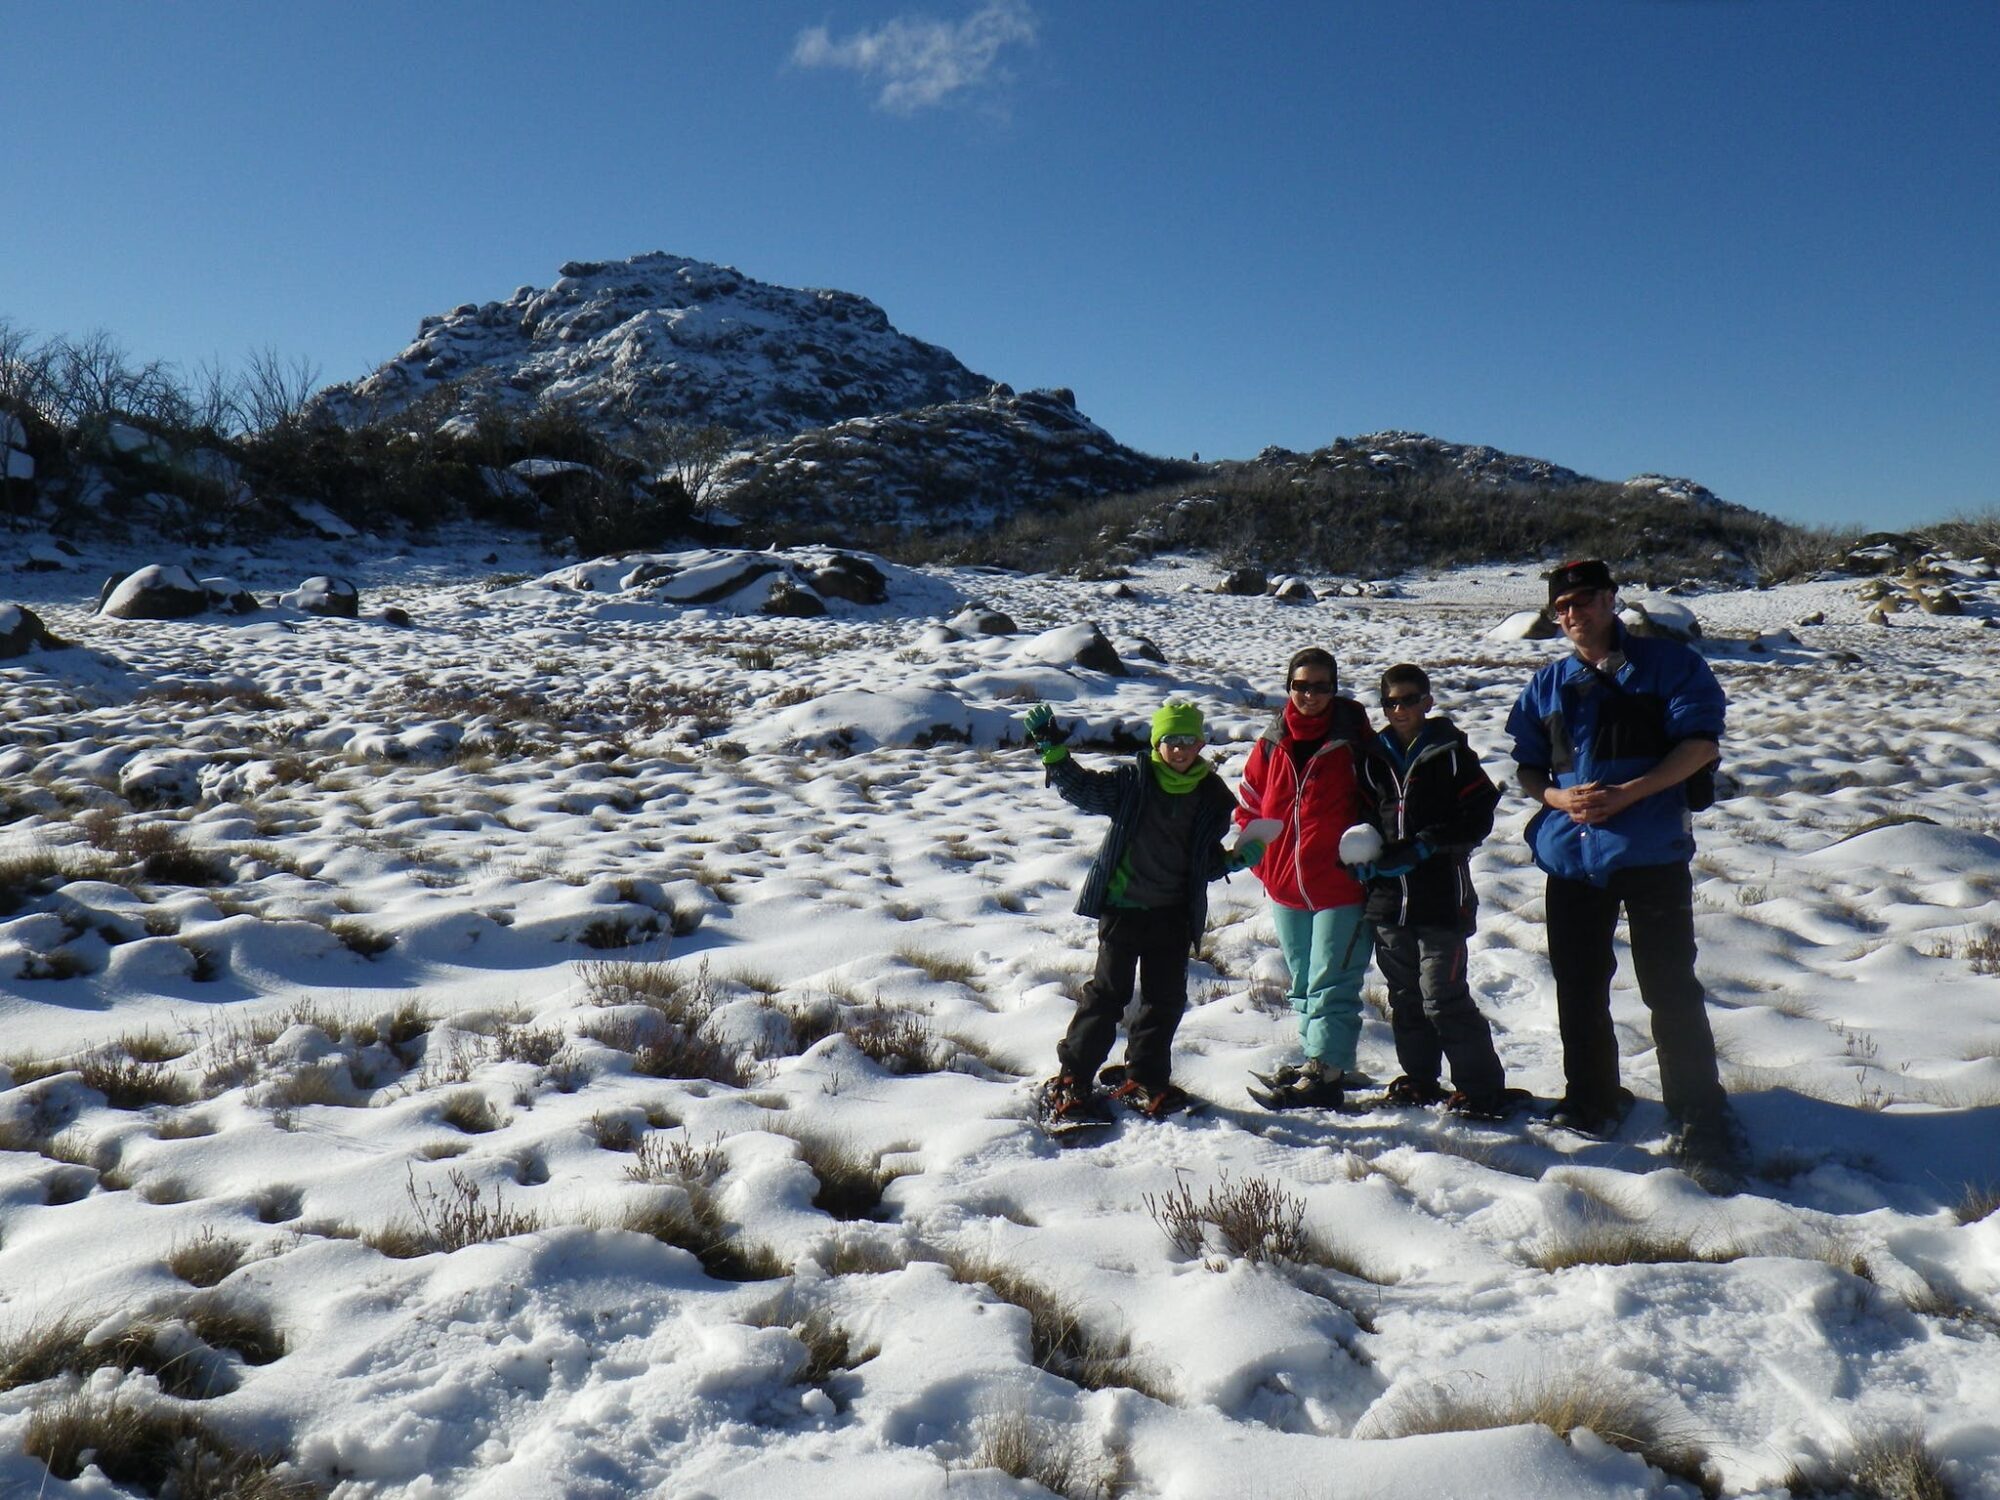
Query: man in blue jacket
pixel 1610 741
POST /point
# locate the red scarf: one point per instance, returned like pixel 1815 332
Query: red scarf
pixel 1306 728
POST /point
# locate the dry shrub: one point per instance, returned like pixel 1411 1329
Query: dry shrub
pixel 1621 1416
pixel 1058 1341
pixel 533 1045
pixel 452 1219
pixel 1254 1220
pixel 1022 1447
pixel 242 1328
pixel 894 1039
pixel 615 1132
pixel 359 937
pixel 129 1084
pixel 470 1112
pixel 322 1083
pixel 206 1259
pixel 665 1160
pixel 156 1448
pixel 1977 1203
pixel 1889 1466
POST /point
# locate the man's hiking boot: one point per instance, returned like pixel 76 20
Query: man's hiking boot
pixel 1066 1099
pixel 1414 1093
pixel 1502 1104
pixel 1592 1117
pixel 1312 1086
pixel 1167 1099
pixel 1711 1148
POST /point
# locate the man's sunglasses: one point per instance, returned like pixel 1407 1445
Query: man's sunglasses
pixel 1309 686
pixel 1182 741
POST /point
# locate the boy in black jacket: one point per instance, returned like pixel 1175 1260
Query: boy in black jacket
pixel 1148 889
pixel 1434 804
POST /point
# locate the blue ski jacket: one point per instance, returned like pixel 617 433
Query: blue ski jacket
pixel 1578 723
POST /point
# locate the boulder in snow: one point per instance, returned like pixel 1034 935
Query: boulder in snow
pixel 324 594
pixel 155 592
pixel 1244 581
pixel 21 631
pixel 1660 617
pixel 1524 625
pixel 229 597
pixel 979 620
pixel 1082 645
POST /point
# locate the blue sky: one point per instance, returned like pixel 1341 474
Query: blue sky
pixel 1753 242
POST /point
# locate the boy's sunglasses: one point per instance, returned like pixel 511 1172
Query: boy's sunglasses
pixel 1407 700
pixel 1182 741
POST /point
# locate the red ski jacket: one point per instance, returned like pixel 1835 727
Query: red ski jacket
pixel 1317 802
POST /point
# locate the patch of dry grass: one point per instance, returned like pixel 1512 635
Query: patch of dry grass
pixel 1058 1340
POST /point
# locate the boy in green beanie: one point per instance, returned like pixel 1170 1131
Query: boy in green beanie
pixel 1148 890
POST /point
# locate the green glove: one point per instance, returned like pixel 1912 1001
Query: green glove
pixel 1040 722
pixel 1053 752
pixel 1246 854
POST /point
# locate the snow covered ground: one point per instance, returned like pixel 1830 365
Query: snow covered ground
pixel 329 943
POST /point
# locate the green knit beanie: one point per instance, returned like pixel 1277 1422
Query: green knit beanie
pixel 1175 717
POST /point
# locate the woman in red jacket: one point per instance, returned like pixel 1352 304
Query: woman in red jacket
pixel 1304 771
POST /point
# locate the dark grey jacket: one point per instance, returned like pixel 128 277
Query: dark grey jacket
pixel 1119 795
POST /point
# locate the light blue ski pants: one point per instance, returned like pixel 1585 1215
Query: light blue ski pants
pixel 1327 952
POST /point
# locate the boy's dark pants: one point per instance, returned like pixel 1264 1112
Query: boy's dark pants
pixel 1431 1009
pixel 1154 945
pixel 1659 917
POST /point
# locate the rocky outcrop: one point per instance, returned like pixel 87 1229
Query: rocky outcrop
pixel 665 337
pixel 324 594
pixel 961 464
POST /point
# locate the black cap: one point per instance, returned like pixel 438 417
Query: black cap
pixel 1586 573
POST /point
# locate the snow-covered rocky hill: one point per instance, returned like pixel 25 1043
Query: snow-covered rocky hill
pixel 1403 456
pixel 663 336
pixel 571 1034
pixel 961 464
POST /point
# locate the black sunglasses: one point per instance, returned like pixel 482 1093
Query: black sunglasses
pixel 1404 700
pixel 1310 686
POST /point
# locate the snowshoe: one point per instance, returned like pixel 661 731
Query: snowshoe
pixel 1405 1092
pixel 1600 1122
pixel 1154 1104
pixel 1313 1087
pixel 1501 1106
pixel 1063 1107
pixel 1710 1147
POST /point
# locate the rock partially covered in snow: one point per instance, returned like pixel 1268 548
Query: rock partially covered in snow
pixel 1523 625
pixel 861 720
pixel 1082 645
pixel 1293 590
pixel 155 592
pixel 324 594
pixel 229 597
pixel 162 778
pixel 981 621
pixel 1244 581
pixel 21 631
pixel 1660 617
pixel 800 582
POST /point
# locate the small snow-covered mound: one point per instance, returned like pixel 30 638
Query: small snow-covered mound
pixel 858 719
pixel 795 581
pixel 1915 844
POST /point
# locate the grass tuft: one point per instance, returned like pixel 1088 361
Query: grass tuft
pixel 206 1259
pixel 1890 1466
pixel 159 1449
pixel 450 1220
pixel 127 1083
pixel 1254 1220
pixel 850 1183
pixel 1058 1341
pixel 1620 1416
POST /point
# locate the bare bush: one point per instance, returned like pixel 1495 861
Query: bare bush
pixel 128 1084
pixel 461 1215
pixel 1254 1220
pixel 206 1259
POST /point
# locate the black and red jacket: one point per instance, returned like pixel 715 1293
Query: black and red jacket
pixel 1317 799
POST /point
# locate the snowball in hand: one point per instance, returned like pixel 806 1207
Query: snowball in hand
pixel 1359 845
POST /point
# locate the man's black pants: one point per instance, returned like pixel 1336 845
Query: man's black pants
pixel 1154 946
pixel 1659 916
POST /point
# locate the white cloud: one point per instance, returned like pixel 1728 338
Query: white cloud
pixel 918 61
